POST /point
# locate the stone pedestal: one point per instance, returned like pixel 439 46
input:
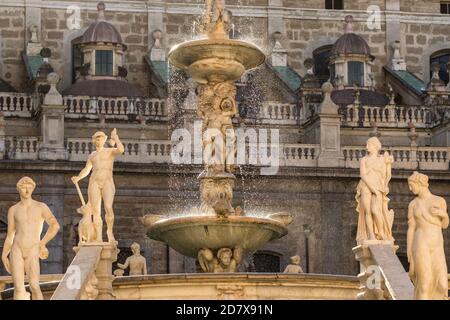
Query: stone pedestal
pixel 330 140
pixel 104 273
pixel 51 122
pixel 381 274
pixel 52 130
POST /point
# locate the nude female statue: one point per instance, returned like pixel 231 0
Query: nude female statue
pixel 427 216
pixel 23 243
pixel 375 219
pixel 101 183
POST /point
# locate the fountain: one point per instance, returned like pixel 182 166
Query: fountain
pixel 217 234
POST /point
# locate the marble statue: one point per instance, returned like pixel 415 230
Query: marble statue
pixel 294 266
pixel 217 107
pixel 86 229
pixel 23 243
pixel 427 216
pixel 216 22
pixel 101 183
pixel 136 262
pixel 375 219
pixel 226 260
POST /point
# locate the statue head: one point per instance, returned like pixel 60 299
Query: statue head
pixel 224 255
pixel 99 139
pixel 219 4
pixel 373 145
pixel 417 181
pixel 295 260
pixel 26 186
pixel 135 248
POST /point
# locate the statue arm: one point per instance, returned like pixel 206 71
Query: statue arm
pixel 125 265
pixel 120 149
pixel 411 231
pixel 84 172
pixel 442 212
pixel 53 225
pixel 363 173
pixel 388 160
pixel 9 240
pixel 144 267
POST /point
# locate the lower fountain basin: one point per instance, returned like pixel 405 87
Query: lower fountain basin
pixel 188 235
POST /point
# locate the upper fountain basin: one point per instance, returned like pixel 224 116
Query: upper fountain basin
pixel 216 60
pixel 188 235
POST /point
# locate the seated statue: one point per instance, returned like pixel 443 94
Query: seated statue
pixel 427 216
pixel 294 265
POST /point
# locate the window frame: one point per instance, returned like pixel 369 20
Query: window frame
pixel 333 4
pixel 361 76
pixel 76 46
pixel 446 5
pixel 442 57
pixel 108 65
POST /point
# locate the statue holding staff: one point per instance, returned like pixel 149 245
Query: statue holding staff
pixel 101 183
pixel 375 219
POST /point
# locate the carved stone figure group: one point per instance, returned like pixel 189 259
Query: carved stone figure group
pixel 427 217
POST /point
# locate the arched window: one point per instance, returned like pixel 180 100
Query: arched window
pixel 266 261
pixel 442 57
pixel 355 73
pixel 77 58
pixel 321 61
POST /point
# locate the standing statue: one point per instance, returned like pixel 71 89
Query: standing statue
pixel 294 265
pixel 101 183
pixel 23 243
pixel 136 262
pixel 375 219
pixel 216 21
pixel 427 216
pixel 227 260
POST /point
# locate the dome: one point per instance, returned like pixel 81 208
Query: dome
pixel 350 43
pixel 101 30
pixel 103 88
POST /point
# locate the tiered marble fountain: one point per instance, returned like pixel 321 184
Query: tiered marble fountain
pixel 217 234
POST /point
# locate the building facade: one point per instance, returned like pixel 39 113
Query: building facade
pixel 387 61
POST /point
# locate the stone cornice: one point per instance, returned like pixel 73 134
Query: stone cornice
pixel 243 11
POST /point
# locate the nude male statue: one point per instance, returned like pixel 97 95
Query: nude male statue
pixel 23 243
pixel 101 183
pixel 136 262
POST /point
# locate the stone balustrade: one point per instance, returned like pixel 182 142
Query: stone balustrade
pixel 412 158
pixel 290 155
pixel 386 116
pixel 153 151
pixel 276 112
pixel 114 108
pixel 21 148
pixel 17 104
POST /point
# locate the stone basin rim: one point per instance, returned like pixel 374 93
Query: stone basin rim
pixel 249 63
pixel 279 229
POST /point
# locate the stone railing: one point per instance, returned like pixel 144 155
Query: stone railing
pixel 17 104
pixel 412 158
pixel 281 113
pixel 114 108
pixel 8 280
pixel 21 148
pixel 290 155
pixel 304 155
pixel 388 116
pixel 153 151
